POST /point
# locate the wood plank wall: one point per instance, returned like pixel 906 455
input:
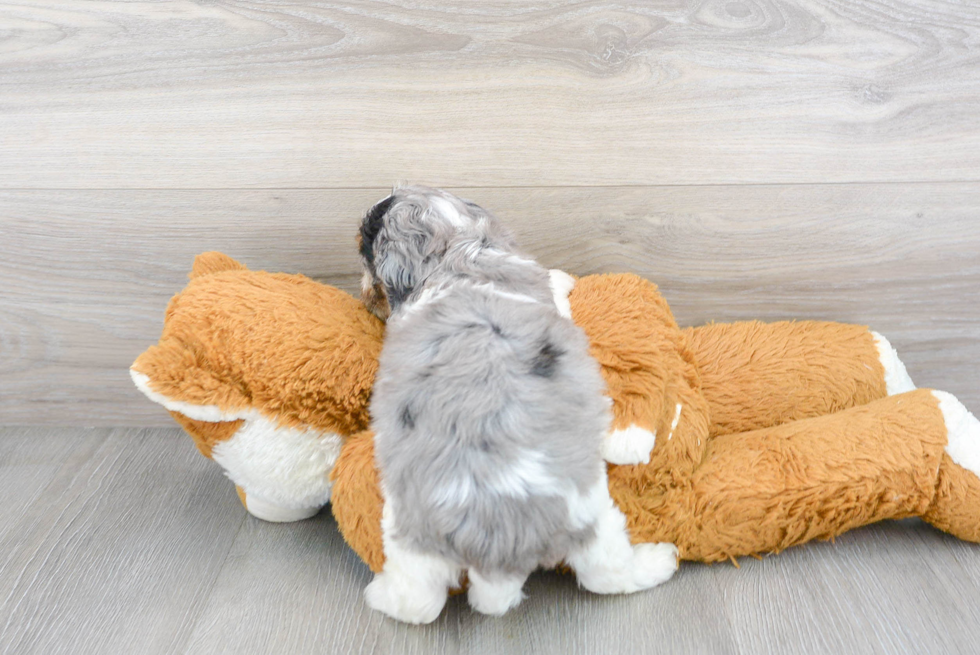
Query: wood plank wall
pixel 756 158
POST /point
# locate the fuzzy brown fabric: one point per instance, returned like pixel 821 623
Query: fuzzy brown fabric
pixel 297 351
pixel 956 506
pixel 205 434
pixel 357 501
pixel 784 433
pixel 649 369
pixel 757 375
pixel 769 489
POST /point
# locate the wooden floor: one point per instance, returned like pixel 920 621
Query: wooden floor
pixel 128 541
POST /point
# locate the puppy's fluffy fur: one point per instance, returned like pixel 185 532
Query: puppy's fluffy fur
pixel 488 410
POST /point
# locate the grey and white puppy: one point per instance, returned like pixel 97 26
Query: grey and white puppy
pixel 488 413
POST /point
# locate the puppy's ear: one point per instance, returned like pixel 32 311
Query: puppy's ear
pixel 408 242
pixel 397 273
pixel 370 227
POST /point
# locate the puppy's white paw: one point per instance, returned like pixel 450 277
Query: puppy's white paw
pixel 630 446
pixel 404 603
pixel 632 569
pixel 495 598
pixel 653 564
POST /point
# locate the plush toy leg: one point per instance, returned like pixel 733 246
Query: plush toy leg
pixel 267 511
pixel 897 379
pixel 356 499
pixel 413 586
pixel 956 507
pixel 756 375
pixel 816 478
pixel 282 472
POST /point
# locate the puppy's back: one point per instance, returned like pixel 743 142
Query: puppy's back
pixel 489 413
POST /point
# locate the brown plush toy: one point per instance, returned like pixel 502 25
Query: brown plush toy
pixel 728 440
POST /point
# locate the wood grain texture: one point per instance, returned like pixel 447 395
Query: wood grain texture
pixel 30 459
pixel 85 275
pixel 848 596
pixel 277 94
pixel 137 544
pixel 120 550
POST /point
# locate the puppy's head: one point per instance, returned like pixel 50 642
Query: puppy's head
pixel 404 237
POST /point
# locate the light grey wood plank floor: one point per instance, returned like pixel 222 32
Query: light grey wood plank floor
pixel 129 541
pixel 120 549
pixel 85 275
pixel 275 93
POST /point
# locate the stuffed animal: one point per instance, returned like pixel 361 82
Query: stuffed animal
pixel 729 439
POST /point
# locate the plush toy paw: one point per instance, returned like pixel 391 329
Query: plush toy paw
pixel 963 432
pixel 494 597
pixel 897 378
pixel 630 446
pixel 273 513
pixel 403 602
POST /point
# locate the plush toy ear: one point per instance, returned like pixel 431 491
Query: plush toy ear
pixel 208 263
pixel 169 374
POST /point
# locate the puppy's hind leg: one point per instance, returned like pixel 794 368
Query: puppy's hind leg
pixel 609 563
pixel 413 586
pixel 495 594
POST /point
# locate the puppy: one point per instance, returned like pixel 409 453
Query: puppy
pixel 488 415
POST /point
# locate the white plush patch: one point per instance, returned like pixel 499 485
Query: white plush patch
pixel 962 432
pixel 561 285
pixel 897 379
pixel 630 446
pixel 287 467
pixel 277 466
pixel 494 597
pixel 412 587
pixel 609 564
pixel 677 419
pixel 260 509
